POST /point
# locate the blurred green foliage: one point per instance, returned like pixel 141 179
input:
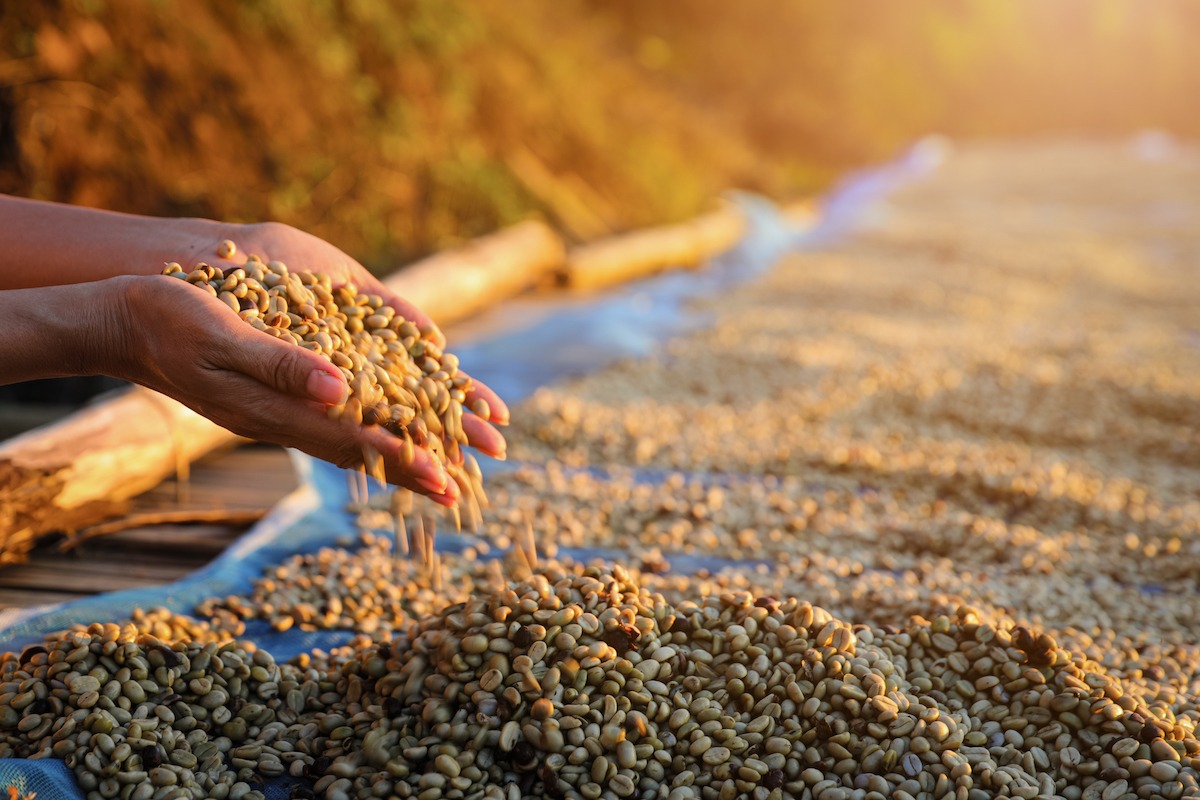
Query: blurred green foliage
pixel 393 127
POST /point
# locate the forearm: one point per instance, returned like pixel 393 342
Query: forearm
pixel 50 244
pixel 55 331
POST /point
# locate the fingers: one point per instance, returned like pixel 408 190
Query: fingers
pixel 368 283
pixel 277 392
pixel 423 474
pixel 483 437
pixel 266 389
pixel 282 366
pixel 257 411
pixel 497 408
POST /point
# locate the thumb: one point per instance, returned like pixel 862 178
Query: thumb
pixel 286 367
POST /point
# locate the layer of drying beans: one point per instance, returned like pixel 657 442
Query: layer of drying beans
pixel 915 518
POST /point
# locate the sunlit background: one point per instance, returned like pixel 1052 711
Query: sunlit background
pixel 951 398
pixel 392 128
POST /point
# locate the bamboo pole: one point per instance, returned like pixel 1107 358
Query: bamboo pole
pixel 640 253
pixel 455 284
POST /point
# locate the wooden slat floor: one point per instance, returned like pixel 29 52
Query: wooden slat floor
pixel 251 477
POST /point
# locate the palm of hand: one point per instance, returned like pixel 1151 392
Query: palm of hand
pixel 300 250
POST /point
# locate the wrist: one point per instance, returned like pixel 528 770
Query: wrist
pixel 57 331
pixel 106 343
pixel 51 244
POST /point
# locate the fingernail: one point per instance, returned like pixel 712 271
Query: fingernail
pixel 443 500
pixel 435 486
pixel 325 388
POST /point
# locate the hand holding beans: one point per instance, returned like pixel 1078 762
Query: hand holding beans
pixel 114 316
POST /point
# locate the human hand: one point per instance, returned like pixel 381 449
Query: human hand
pixel 300 250
pixel 55 259
pixel 177 339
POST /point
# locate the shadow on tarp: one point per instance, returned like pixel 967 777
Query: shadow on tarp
pixel 517 348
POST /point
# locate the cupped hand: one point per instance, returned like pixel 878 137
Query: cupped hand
pixel 181 341
pixel 303 251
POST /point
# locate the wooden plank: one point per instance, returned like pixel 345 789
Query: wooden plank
pixel 84 467
pixel 98 576
pixel 163 518
pixel 26 598
pixel 181 539
pixel 70 564
pixel 255 476
pixel 238 479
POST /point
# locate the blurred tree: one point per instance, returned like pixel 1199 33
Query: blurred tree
pixel 393 127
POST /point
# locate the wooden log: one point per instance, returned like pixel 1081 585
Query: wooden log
pixel 455 284
pixel 644 252
pixel 72 473
pixel 85 468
